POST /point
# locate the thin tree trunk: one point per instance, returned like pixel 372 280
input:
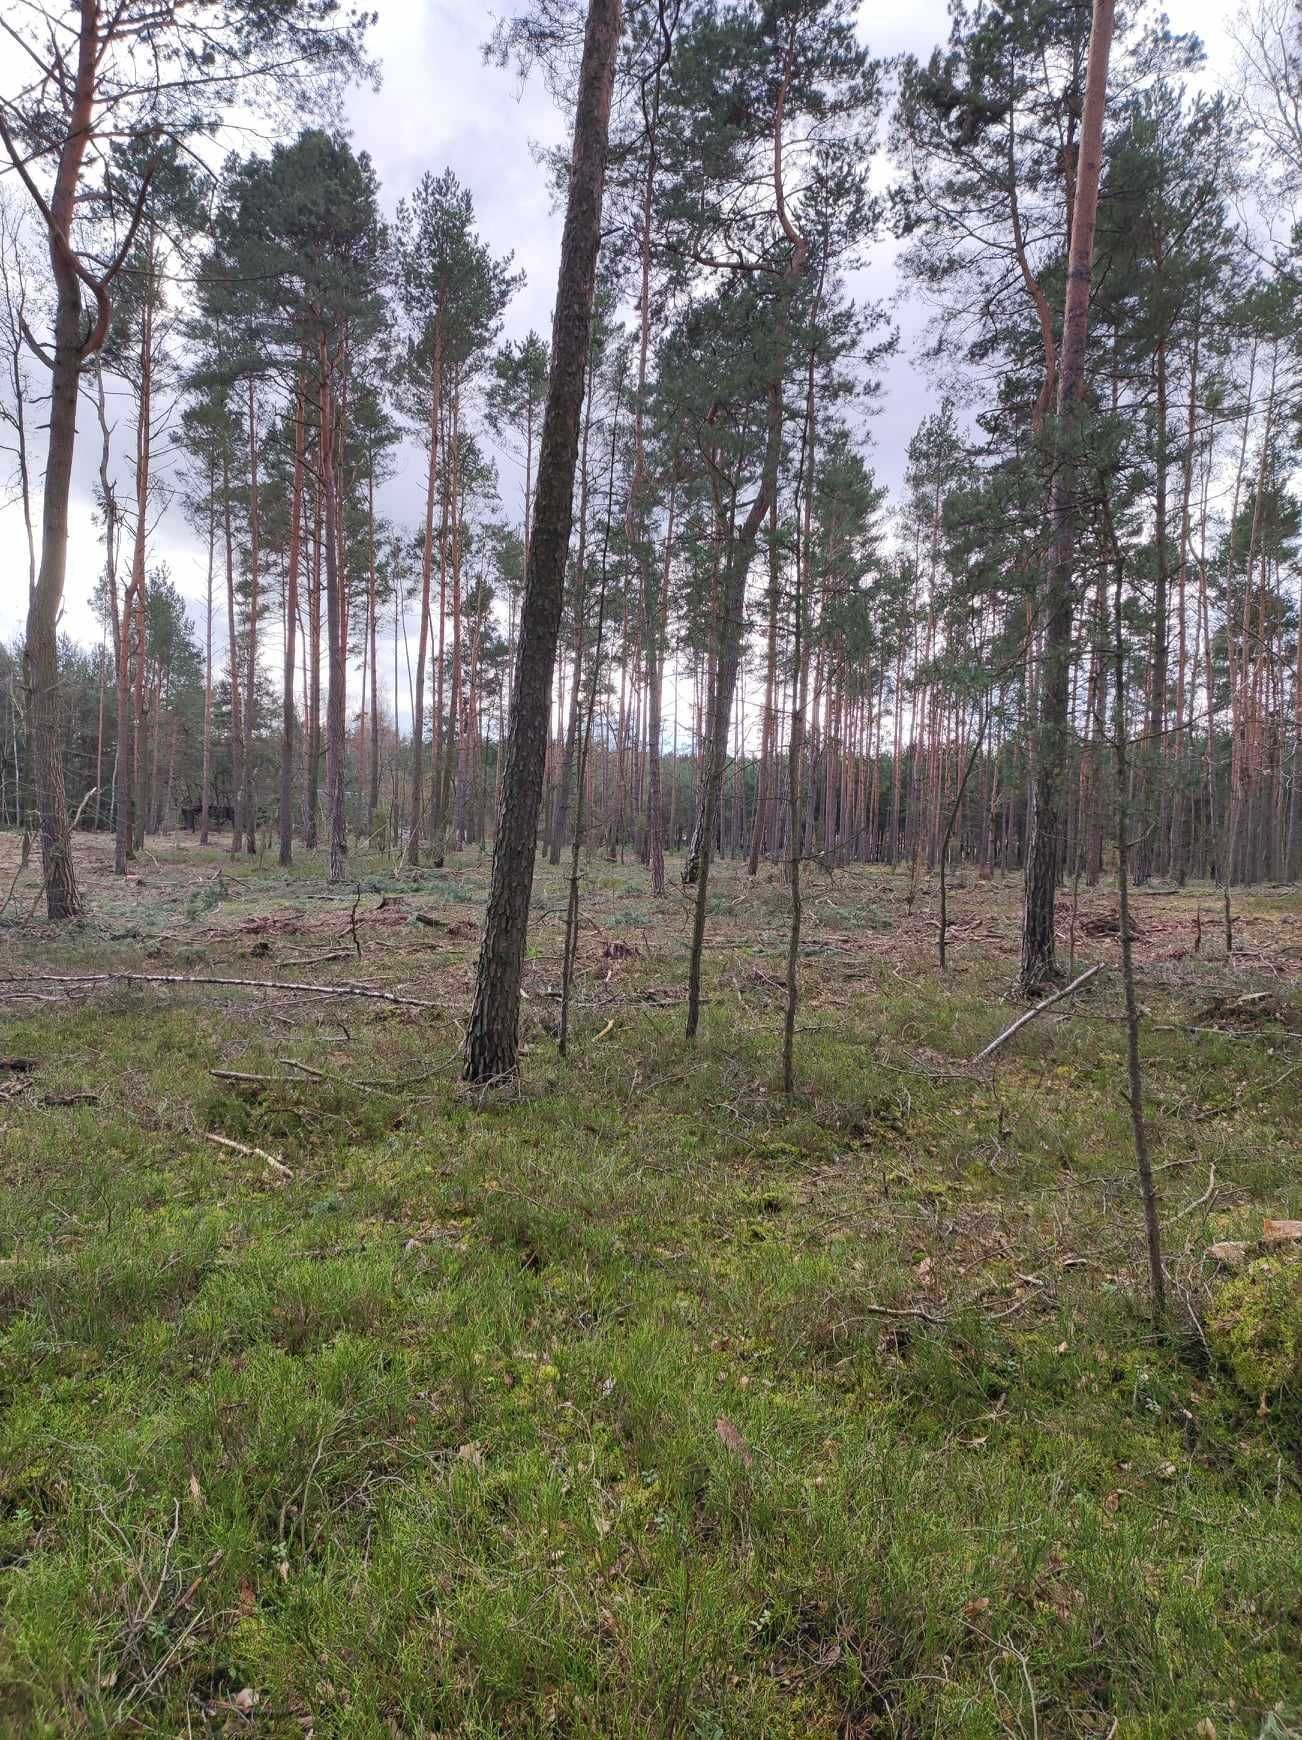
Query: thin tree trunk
pixel 572 905
pixel 336 827
pixel 560 814
pixel 237 711
pixel 1134 1069
pixel 291 628
pixel 715 746
pixel 205 788
pixel 492 1040
pixel 372 608
pixel 412 854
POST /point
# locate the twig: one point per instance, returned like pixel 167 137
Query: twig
pixel 901 1311
pixel 352 922
pixel 1198 1201
pixel 277 1166
pixel 334 1080
pixel 251 1154
pixel 1030 1015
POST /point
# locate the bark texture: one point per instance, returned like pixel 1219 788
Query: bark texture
pixel 492 1040
pixel 1039 963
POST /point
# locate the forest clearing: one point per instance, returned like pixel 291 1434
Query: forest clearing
pixel 650 870
pixel 646 1399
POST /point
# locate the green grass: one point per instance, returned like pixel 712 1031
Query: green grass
pixel 646 1403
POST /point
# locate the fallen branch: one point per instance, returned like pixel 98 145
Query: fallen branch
pixel 1198 1201
pixel 914 1311
pixel 344 990
pixel 318 960
pixel 277 1166
pixel 333 1080
pixel 1045 1003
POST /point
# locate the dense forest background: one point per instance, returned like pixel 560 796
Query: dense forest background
pixel 287 335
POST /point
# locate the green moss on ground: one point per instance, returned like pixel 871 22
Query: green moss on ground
pixel 647 1402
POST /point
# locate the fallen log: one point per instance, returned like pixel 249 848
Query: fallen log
pixel 304 988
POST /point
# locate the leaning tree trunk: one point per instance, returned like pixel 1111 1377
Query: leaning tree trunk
pixel 1039 965
pixel 493 1037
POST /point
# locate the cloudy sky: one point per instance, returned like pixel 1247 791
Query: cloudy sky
pixel 439 105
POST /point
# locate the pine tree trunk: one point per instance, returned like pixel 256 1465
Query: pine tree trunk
pixel 205 788
pixel 372 607
pixel 560 814
pixel 249 799
pixel 1039 964
pixel 237 711
pixel 715 746
pixel 41 646
pixel 336 825
pixel 411 855
pixel 291 629
pixel 313 734
pixel 492 1042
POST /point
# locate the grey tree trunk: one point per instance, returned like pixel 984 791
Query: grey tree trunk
pixel 493 1037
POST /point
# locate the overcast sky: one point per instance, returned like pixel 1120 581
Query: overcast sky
pixel 439 106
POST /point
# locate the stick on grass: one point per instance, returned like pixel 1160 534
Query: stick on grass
pixel 1022 1020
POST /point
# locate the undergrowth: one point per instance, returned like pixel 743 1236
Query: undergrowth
pixel 644 1402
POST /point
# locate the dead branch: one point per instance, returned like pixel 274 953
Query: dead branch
pixel 352 922
pixel 1045 1003
pixel 277 1166
pixel 344 990
pixel 333 1080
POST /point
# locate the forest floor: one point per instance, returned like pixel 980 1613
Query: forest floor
pixel 643 1402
